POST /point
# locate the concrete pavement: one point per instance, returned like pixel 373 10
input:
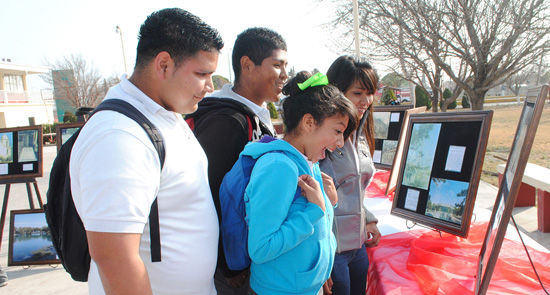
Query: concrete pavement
pixel 54 280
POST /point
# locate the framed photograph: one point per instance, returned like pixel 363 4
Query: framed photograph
pixel 388 121
pixel 440 168
pixel 21 152
pixel 392 180
pixel 509 186
pixel 6 147
pixel 30 241
pixel 65 131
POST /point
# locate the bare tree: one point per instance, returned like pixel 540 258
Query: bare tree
pixel 494 39
pixel 80 83
pixel 519 79
pixel 391 44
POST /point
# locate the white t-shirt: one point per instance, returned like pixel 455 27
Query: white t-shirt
pixel 115 176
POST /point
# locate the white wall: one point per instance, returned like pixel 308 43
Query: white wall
pixel 18 114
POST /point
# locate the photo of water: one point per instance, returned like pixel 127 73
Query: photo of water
pixel 31 239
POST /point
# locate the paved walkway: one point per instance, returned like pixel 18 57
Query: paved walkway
pixel 47 280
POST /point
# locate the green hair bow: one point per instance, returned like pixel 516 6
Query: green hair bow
pixel 315 80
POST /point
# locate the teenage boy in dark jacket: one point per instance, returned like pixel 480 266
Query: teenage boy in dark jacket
pixel 236 115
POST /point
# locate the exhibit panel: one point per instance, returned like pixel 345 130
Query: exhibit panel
pixel 509 186
pixel 440 169
pixel 21 152
pixel 388 123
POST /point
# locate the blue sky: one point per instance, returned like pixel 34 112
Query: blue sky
pixel 30 220
pixel 446 193
pixel 34 30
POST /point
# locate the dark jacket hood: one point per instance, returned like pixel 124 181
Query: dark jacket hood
pixel 211 103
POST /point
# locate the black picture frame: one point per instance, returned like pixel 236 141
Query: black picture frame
pixel 21 152
pixel 440 169
pixel 509 186
pixel 30 239
pixel 388 122
pixel 392 179
pixel 65 131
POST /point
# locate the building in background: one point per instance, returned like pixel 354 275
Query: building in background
pixel 18 105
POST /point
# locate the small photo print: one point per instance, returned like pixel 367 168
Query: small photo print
pixel 28 145
pixel 66 133
pixel 420 156
pixel 388 151
pixel 6 147
pixel 381 124
pixel 446 199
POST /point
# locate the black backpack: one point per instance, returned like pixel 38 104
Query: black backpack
pixel 68 233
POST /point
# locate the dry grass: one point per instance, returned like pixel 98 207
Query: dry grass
pixel 503 129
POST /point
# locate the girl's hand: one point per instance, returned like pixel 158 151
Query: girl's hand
pixel 327 286
pixel 374 235
pixel 311 190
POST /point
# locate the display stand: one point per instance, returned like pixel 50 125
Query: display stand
pixel 8 183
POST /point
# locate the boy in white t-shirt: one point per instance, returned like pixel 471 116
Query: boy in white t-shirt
pixel 116 174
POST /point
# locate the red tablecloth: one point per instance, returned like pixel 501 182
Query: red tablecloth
pixel 377 188
pixel 422 262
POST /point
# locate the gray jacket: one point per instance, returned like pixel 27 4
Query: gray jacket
pixel 352 170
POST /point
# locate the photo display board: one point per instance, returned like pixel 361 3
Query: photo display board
pixel 509 186
pixel 30 239
pixel 65 131
pixel 392 180
pixel 21 152
pixel 440 169
pixel 388 121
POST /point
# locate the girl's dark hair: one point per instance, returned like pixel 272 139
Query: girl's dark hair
pixel 320 102
pixel 343 72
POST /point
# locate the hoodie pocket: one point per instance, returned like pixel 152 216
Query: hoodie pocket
pixel 316 275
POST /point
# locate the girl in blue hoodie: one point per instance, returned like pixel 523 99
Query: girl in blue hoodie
pixel 290 240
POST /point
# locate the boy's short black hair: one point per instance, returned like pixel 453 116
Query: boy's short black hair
pixel 176 31
pixel 256 43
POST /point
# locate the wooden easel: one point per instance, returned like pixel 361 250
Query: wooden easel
pixel 8 183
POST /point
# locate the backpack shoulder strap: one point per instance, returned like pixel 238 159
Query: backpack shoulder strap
pixel 131 112
pixel 298 189
pixel 239 116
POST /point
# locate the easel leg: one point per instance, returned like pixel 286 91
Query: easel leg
pixel 29 194
pixel 4 209
pixel 38 195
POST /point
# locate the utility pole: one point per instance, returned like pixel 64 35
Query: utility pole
pixel 356 28
pixel 119 30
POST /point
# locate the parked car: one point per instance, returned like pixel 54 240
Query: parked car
pixel 403 99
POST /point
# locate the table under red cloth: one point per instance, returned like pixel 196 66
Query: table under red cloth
pixel 377 187
pixel 423 262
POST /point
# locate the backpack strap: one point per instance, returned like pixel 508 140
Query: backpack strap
pixel 131 112
pixel 250 128
pixel 268 138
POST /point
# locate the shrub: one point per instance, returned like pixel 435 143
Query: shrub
pixel 272 111
pixel 69 117
pixel 422 98
pixel 388 96
pixel 48 128
pixel 466 101
pixel 447 94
